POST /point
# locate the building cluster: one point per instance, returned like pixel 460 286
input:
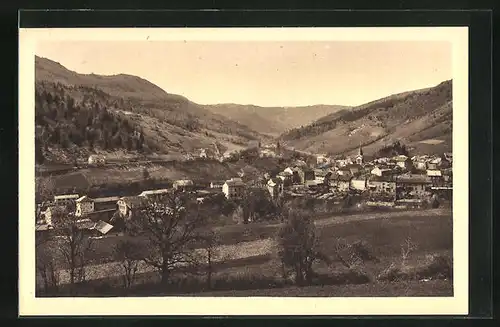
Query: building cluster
pixel 399 179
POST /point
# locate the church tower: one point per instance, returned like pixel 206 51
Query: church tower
pixel 359 157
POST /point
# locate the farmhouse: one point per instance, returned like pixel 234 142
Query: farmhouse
pixel 275 187
pixel 233 188
pixel 183 185
pixel 322 159
pixel 153 194
pixel 84 206
pixel 417 185
pixel 341 183
pixel 377 171
pixel 106 203
pixel 217 184
pixel 96 160
pixel 305 174
pixel 65 199
pixel 403 162
pixel 128 204
pixel 382 184
pixel 286 177
pixel 358 183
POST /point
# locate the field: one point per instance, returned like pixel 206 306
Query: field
pixel 251 268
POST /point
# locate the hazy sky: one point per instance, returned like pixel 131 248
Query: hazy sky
pixel 288 73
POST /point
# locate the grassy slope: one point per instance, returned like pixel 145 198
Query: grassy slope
pixel 157 109
pixel 410 117
pixel 274 120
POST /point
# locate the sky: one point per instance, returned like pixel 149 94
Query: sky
pixel 265 73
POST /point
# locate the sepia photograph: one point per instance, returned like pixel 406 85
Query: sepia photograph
pixel 193 165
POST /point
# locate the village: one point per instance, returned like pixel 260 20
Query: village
pixel 396 182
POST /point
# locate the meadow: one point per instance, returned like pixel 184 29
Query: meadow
pixel 256 271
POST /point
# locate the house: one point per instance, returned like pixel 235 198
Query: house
pixel 286 177
pixel 418 185
pixel 353 168
pixel 305 174
pixel 203 153
pixel 420 164
pixel 403 161
pixel 436 177
pixel 382 184
pixel 65 199
pixel 129 204
pixel 275 187
pixel 377 171
pixel 84 206
pixel 154 193
pixel 217 184
pixel 106 203
pixel 183 185
pixel 448 156
pixel 343 171
pixel 267 153
pixel 95 159
pixel 322 159
pixel 434 163
pixel 358 183
pixel 320 174
pixel 341 183
pixel 233 188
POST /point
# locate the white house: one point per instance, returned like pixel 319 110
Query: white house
pixel 358 183
pixel 154 192
pixel 377 171
pixel 84 206
pixel 434 173
pixel 65 199
pixel 95 159
pixel 233 188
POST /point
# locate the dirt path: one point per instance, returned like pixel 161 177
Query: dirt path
pixel 249 249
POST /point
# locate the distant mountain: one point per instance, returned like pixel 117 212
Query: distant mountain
pixel 273 120
pixel 420 119
pixel 78 108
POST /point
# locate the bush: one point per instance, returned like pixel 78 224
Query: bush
pixel 436 267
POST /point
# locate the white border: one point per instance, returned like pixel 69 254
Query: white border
pixel 29 305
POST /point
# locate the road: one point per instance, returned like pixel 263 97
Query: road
pixel 252 248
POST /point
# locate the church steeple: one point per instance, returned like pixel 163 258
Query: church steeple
pixel 359 157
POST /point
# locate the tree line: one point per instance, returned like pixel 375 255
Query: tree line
pixel 68 116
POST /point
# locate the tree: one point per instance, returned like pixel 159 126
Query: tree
pixel 45 188
pixel 74 245
pixel 298 246
pixel 171 226
pixel 46 266
pixel 128 254
pixel 210 241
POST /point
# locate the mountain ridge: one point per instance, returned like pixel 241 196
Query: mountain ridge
pixel 422 118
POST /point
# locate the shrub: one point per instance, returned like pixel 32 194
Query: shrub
pixel 436 267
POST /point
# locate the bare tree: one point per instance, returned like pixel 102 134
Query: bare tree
pixel 128 254
pixel 73 245
pixel 46 267
pixel 407 247
pixel 210 243
pixel 171 226
pixel 298 246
